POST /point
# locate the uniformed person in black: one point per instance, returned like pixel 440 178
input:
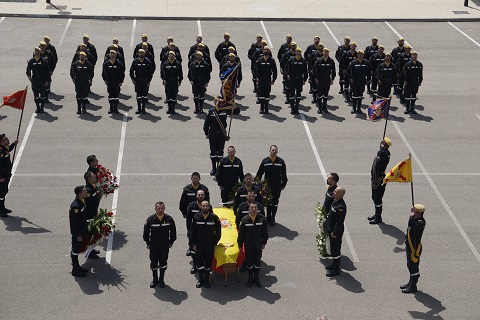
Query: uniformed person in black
pixel 323 74
pixel 205 233
pixel 396 53
pixel 334 227
pixel 188 193
pixel 206 56
pixel 284 48
pixel 141 73
pixel 332 181
pixel 92 202
pixel 413 247
pixel 257 55
pixel 266 74
pixel 172 75
pixel 90 48
pixel 48 55
pixel 256 46
pixel 5 171
pixel 241 194
pixel 413 75
pixel 232 61
pixel 215 129
pixel 253 233
pixel 311 49
pixel 149 56
pixel 113 74
pixel 369 52
pixel 194 48
pixel 53 51
pixel 192 209
pixel 83 48
pixel 244 208
pixel 120 57
pixel 348 57
pixel 402 60
pixel 229 173
pixel 341 50
pixel 375 60
pixel 380 163
pixel 120 48
pixel 199 77
pixel 92 164
pixel 159 233
pixel 232 52
pixel 275 172
pixel 38 72
pixel 283 70
pixel 78 229
pixel 297 75
pixel 315 54
pixel 222 48
pixel 82 73
pixel 165 56
pixel 387 76
pixel 140 46
pixel 358 73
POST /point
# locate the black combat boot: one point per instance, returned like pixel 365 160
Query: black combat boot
pixel 79 106
pixel 412 287
pixel 404 286
pixel 256 278
pixel 200 278
pixel 84 110
pixel 324 105
pixel 77 271
pixel 154 282
pixel 335 270
pixel 161 282
pixel 206 278
pixel 412 106
pixel 139 106
pixel 250 278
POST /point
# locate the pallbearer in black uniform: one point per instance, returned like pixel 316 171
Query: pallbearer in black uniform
pixel 241 193
pixel 159 233
pixel 193 208
pixel 334 227
pixel 253 233
pixel 188 193
pixel 205 233
pixel 229 173
pixel 413 247
pixel 380 163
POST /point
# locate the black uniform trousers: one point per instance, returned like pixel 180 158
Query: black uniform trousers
pixel 39 91
pixel 141 88
pixel 373 87
pixel 385 89
pixel 253 257
pixel 82 88
pixel 113 89
pixel 377 196
pixel 158 258
pixel 264 89
pixel 358 88
pixel 171 90
pixel 198 90
pixel 3 194
pixel 273 207
pixel 203 258
pixel 413 267
pixel 217 144
pixel 296 87
pixel 336 246
pixel 323 88
pixel 76 245
pixel 410 96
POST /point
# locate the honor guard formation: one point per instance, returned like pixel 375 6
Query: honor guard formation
pixel 371 69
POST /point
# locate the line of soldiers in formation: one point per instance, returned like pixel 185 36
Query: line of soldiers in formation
pixel 371 68
pixel 203 226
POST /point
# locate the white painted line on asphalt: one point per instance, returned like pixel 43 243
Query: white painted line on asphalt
pixel 396 32
pixel 437 192
pixel 118 173
pixel 22 147
pixel 199 25
pixel 164 174
pixel 266 35
pixel 132 37
pixel 64 32
pixel 478 116
pixel 331 33
pixel 1 20
pixel 466 35
pixel 324 174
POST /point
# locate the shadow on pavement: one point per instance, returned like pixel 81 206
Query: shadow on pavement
pixel 421 117
pixel 123 96
pixel 393 232
pixel 149 117
pixel 124 107
pixel 46 117
pixel 348 282
pixel 282 231
pixel 100 275
pixel 90 117
pixel 95 96
pixel 56 97
pixel 2 117
pixel 430 302
pixel 154 97
pixel 168 294
pixel 273 117
pixel 119 240
pixel 23 225
pixel 238 291
pixel 53 107
pixel 307 118
pixel 332 116
pixel 179 117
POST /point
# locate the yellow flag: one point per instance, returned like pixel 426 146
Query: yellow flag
pixel 402 172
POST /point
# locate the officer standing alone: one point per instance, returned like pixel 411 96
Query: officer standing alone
pixel 380 163
pixel 5 171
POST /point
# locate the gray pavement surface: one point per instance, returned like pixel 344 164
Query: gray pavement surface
pixel 160 152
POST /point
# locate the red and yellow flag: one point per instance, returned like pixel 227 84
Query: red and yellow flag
pixel 16 100
pixel 402 172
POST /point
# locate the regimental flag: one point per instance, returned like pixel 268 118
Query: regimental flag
pixel 402 172
pixel 228 90
pixel 378 109
pixel 16 100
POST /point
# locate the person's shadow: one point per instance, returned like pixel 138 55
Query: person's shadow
pixel 23 225
pixel 393 232
pixel 282 231
pixel 46 117
pixel 119 240
pixel 168 294
pixel 429 302
pixel 100 275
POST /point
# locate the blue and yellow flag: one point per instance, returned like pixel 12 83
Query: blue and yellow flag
pixel 228 89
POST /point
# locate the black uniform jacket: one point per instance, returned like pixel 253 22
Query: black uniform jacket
pixel 205 232
pixel 252 233
pixel 275 172
pixel 336 218
pixel 78 219
pixel 159 234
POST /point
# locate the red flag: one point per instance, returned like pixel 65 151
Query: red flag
pixel 16 100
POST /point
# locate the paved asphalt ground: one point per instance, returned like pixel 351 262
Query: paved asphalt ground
pixel 154 154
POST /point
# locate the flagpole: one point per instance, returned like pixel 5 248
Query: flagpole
pixel 411 183
pixel 386 117
pixel 20 123
pixel 230 124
